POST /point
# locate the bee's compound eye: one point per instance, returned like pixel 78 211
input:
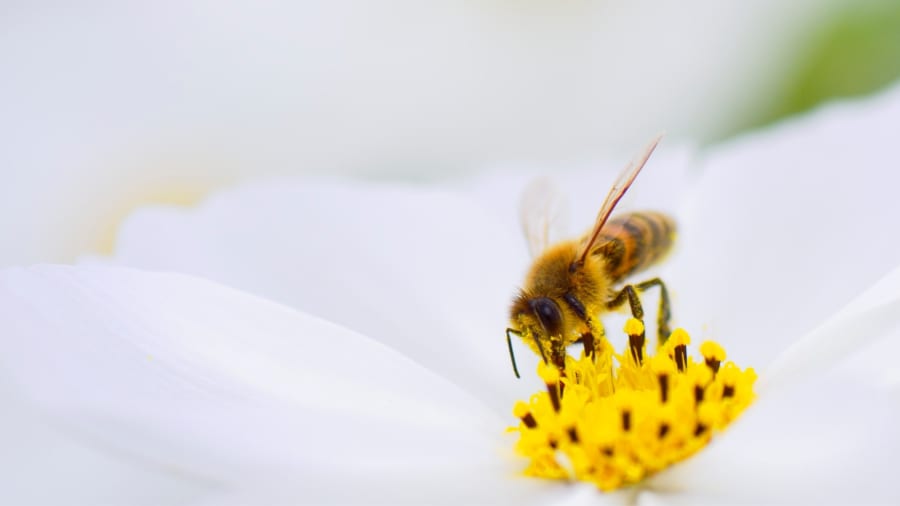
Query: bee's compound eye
pixel 548 313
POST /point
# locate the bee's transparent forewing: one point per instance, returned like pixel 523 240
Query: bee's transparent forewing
pixel 624 181
pixel 542 211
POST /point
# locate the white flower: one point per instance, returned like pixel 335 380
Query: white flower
pixel 247 400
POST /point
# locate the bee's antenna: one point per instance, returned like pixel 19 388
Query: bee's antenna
pixel 512 356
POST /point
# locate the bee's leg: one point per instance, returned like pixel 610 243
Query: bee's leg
pixel 593 337
pixel 629 293
pixel 635 342
pixel 558 354
pixel 664 315
pixel 587 338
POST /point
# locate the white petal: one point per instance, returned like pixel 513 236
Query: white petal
pixel 828 443
pixel 43 465
pixel 223 386
pixel 789 224
pixel 872 316
pixel 876 364
pixel 424 271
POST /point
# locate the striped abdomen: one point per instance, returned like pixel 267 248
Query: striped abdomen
pixel 633 241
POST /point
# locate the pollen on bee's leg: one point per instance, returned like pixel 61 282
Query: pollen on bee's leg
pixel 595 338
pixel 621 418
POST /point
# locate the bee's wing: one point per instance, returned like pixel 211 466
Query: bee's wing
pixel 615 194
pixel 542 212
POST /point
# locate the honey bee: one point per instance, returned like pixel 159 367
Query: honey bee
pixel 572 282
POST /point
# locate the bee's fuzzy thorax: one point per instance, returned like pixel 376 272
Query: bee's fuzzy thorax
pixel 571 289
pixel 551 274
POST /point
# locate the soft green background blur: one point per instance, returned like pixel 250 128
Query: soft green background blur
pixel 852 51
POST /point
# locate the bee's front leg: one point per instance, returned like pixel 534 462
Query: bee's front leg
pixel 587 340
pixel 593 337
pixel 558 353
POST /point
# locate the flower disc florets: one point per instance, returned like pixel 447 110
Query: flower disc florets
pixel 614 419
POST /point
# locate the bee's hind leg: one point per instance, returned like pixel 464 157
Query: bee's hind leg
pixel 664 314
pixel 629 293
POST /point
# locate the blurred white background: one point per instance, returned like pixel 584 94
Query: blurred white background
pixel 107 106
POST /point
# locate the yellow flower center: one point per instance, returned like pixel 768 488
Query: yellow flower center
pixel 615 419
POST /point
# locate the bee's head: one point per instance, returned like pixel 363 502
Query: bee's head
pixel 539 321
pixel 547 313
pixel 540 316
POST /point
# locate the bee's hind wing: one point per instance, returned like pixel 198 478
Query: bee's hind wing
pixel 542 212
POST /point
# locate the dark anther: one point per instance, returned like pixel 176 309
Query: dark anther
pixel 529 421
pixel 698 393
pixel 681 357
pixel 713 364
pixel 663 430
pixel 727 391
pixel 573 434
pixel 664 387
pixel 607 450
pixel 626 420
pixel 636 343
pixel 553 444
pixel 553 391
pixel 700 429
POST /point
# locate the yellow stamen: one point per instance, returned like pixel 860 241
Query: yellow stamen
pixel 634 327
pixel 615 419
pixel 548 373
pixel 712 350
pixel 713 355
pixel 676 348
pixel 679 337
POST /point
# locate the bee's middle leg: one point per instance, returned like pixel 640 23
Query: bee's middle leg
pixel 629 293
pixel 595 332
